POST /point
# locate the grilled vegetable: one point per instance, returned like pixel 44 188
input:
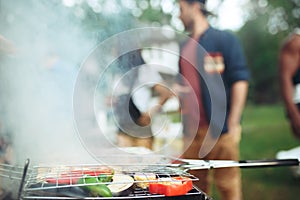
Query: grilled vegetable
pixel 175 186
pixel 73 176
pixel 100 190
pixel 143 179
pixel 121 185
pixel 104 178
pixel 95 190
pixel 95 172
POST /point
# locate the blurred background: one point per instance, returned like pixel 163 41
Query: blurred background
pixel 36 112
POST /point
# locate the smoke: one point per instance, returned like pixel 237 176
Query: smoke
pixel 37 82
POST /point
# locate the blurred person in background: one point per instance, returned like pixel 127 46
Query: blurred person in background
pixel 225 52
pixel 142 82
pixel 6 48
pixel 289 73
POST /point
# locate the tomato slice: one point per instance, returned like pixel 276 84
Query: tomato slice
pixel 176 187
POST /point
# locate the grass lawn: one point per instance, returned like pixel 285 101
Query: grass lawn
pixel 265 132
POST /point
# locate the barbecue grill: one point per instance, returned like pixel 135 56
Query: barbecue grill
pixel 61 181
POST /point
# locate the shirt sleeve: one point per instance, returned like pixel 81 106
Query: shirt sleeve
pixel 235 62
pixel 149 74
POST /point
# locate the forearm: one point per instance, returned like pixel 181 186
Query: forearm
pixel 291 108
pixel 163 95
pixel 292 111
pixel 287 91
pixel 163 92
pixel 239 93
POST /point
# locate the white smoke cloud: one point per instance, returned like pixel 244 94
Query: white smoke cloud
pixel 37 82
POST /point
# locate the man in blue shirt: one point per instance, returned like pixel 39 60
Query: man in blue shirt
pixel 215 80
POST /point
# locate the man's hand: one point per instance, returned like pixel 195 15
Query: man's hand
pixel 144 119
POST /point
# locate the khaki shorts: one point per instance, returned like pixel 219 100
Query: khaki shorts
pixel 227 180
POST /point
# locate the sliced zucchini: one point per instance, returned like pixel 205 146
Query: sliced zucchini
pixel 121 185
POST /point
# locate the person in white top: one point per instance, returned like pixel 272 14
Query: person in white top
pixel 143 81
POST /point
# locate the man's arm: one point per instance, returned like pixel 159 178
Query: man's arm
pixel 288 66
pixel 164 94
pixel 239 93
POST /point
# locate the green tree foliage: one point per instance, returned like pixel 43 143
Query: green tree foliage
pixel 268 22
pixel 261 49
pixel 262 35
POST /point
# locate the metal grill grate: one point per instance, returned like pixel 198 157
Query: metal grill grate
pixel 64 179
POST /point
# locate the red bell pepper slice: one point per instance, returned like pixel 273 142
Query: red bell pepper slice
pixel 175 187
pixel 73 176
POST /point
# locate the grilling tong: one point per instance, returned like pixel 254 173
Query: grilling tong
pixel 196 164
